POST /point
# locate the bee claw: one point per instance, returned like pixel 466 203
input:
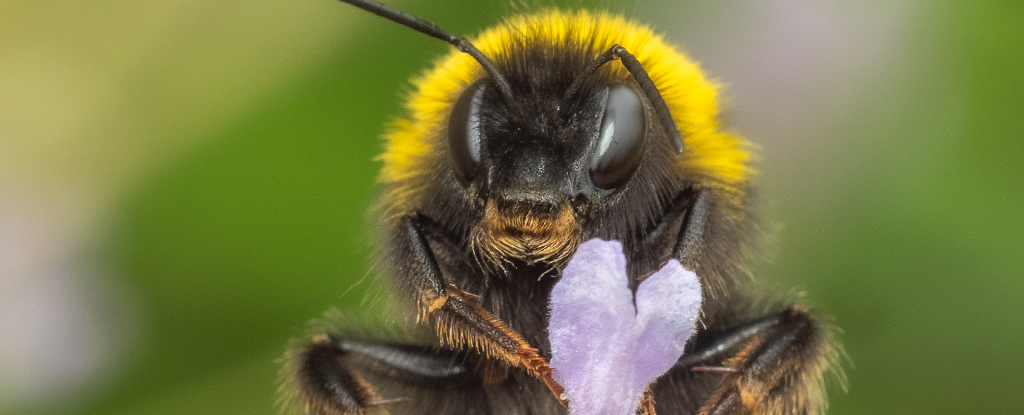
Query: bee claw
pixel 462 293
pixel 387 401
pixel 715 369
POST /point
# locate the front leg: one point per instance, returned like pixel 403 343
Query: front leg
pixel 329 373
pixel 458 322
pixel 765 366
pixel 768 365
pixel 697 230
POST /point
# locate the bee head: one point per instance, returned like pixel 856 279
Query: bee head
pixel 538 158
pixel 551 133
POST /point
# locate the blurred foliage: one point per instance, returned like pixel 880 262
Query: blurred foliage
pixel 236 242
pixel 923 254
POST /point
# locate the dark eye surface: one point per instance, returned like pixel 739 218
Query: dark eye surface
pixel 620 142
pixel 464 132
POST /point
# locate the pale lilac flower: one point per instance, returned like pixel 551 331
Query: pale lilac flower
pixel 605 351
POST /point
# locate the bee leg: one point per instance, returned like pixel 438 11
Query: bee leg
pixel 646 404
pixel 694 231
pixel 659 245
pixel 771 365
pixel 691 241
pixel 680 234
pixel 328 372
pixel 459 322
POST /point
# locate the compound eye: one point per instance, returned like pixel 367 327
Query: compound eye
pixel 464 132
pixel 620 142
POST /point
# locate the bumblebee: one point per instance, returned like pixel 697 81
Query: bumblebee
pixel 543 132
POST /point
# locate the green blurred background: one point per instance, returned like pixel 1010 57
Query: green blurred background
pixel 183 184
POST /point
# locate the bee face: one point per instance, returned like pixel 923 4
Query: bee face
pixel 540 166
pixel 572 153
pixel 545 145
pixel 509 157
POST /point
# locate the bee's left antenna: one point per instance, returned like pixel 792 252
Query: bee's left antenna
pixel 432 30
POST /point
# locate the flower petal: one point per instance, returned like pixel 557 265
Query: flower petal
pixel 591 322
pixel 606 351
pixel 667 304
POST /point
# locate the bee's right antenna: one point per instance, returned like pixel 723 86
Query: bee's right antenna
pixel 432 30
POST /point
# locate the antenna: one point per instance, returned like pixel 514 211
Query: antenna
pixel 432 30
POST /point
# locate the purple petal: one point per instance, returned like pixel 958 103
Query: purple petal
pixel 667 303
pixel 606 351
pixel 591 317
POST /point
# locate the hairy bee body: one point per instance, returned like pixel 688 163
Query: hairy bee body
pixel 478 221
pixel 543 53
